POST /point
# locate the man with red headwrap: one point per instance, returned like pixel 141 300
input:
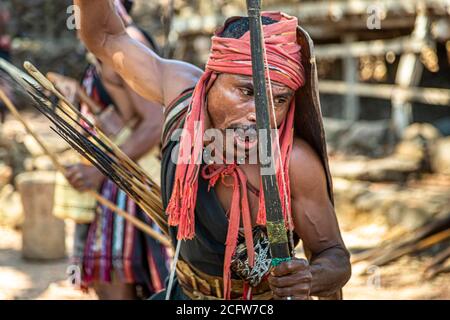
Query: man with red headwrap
pixel 214 200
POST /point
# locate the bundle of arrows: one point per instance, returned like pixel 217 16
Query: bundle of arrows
pixel 90 142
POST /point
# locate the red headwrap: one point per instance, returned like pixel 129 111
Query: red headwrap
pixel 233 56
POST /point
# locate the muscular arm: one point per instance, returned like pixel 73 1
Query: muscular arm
pixel 315 222
pixel 156 79
pixel 147 133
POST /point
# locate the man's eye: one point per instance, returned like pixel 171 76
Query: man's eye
pixel 247 92
pixel 280 100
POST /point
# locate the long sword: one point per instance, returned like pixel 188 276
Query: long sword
pixel 276 228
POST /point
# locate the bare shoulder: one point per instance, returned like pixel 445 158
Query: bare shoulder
pixel 306 171
pixel 137 34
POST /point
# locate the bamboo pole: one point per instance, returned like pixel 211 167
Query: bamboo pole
pixel 421 245
pixel 436 271
pixel 433 96
pixel 133 220
pixel 371 47
pixel 439 259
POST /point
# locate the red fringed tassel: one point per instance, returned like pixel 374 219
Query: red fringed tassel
pixel 181 207
pixel 232 236
pixel 246 218
pixel 173 208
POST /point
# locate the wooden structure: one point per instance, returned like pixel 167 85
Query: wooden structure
pixel 351 30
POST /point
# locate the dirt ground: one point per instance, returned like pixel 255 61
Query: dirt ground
pixel 22 279
pixel 400 280
pixel 25 279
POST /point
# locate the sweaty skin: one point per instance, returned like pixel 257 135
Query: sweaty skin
pixel 230 104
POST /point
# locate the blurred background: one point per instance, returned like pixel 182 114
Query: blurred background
pixel 384 71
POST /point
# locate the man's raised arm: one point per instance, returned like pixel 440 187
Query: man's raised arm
pixel 154 78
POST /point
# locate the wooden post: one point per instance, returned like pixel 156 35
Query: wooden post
pixel 409 73
pixel 431 96
pixel 351 100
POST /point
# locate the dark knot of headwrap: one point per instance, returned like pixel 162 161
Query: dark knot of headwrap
pixel 233 56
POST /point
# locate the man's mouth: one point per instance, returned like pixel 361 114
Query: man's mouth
pixel 245 138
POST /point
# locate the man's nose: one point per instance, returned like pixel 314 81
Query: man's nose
pixel 251 112
pixel 251 116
